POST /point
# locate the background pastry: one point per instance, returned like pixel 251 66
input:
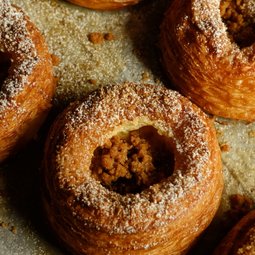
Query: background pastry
pixel 208 52
pixel 241 239
pixel 26 79
pixel 104 4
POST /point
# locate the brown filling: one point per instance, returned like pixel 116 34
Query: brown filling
pixel 130 164
pixel 241 26
pixel 5 64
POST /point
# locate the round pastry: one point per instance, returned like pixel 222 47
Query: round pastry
pixel 241 239
pixel 104 4
pixel 132 169
pixel 27 84
pixel 208 52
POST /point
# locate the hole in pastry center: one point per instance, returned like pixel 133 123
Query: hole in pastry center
pixel 240 21
pixel 5 64
pixel 133 162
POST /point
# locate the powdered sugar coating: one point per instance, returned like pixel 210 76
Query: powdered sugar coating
pixel 15 41
pixel 102 115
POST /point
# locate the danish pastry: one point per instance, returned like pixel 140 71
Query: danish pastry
pixel 208 52
pixel 132 169
pixel 26 79
pixel 104 4
pixel 241 239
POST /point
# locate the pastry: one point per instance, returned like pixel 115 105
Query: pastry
pixel 241 239
pixel 26 79
pixel 104 4
pixel 131 169
pixel 208 52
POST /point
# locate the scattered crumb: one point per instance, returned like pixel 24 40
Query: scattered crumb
pixel 4 224
pixel 251 134
pixel 13 229
pixel 96 38
pixel 109 36
pixel 9 227
pixel 92 81
pixel 225 147
pixel 145 76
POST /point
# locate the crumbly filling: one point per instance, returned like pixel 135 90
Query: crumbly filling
pixel 132 163
pixel 5 64
pixel 240 24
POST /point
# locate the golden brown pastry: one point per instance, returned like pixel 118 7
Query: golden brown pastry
pixel 104 4
pixel 27 84
pixel 132 169
pixel 241 239
pixel 208 52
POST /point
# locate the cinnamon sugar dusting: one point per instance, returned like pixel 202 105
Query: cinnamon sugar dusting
pixel 14 38
pixel 148 105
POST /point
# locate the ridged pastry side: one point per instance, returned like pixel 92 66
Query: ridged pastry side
pixel 26 93
pixel 204 63
pixel 241 239
pixel 104 4
pixel 165 218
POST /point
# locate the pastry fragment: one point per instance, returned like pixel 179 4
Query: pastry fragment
pixel 131 169
pixel 241 239
pixel 27 84
pixel 208 52
pixel 104 4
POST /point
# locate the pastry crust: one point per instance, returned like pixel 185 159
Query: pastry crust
pixel 163 219
pixel 204 63
pixel 26 93
pixel 104 4
pixel 241 239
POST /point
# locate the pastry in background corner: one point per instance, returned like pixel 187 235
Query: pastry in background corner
pixel 131 169
pixel 104 4
pixel 241 239
pixel 208 52
pixel 27 84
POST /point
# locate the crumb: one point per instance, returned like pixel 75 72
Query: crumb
pixel 13 229
pixel 4 225
pixel 109 36
pixel 145 76
pixel 225 147
pixel 96 38
pixel 92 81
pixel 251 134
